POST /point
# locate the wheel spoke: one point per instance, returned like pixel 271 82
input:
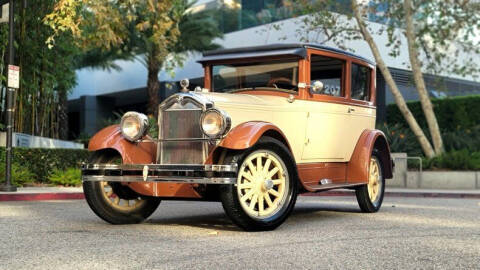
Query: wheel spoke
pixel 267 165
pixel 251 167
pixel 253 201
pixel 259 164
pixel 245 185
pixel 274 192
pixel 272 172
pixel 247 196
pixel 260 204
pixel 247 175
pixel 268 200
pixel 277 182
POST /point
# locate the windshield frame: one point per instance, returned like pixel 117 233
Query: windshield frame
pixel 258 60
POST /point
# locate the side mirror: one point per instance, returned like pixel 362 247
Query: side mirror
pixel 316 87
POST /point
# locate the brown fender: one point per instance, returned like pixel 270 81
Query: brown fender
pixel 139 153
pixel 247 134
pixel 111 138
pixel 357 168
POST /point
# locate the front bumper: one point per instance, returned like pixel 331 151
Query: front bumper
pixel 193 174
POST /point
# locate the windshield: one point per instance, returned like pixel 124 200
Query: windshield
pixel 275 75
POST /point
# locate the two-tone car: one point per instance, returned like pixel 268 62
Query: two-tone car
pixel 271 122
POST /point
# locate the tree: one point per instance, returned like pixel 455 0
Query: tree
pixel 150 30
pixel 436 32
pixel 46 75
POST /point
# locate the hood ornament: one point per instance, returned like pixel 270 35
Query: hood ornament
pixel 184 83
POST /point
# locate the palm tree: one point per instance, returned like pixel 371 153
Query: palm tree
pixel 197 33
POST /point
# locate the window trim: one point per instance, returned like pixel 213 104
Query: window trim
pixel 369 88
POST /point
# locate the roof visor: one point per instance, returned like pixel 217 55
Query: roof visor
pixel 299 52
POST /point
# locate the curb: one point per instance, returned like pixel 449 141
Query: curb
pixel 41 196
pixel 409 194
pixel 80 196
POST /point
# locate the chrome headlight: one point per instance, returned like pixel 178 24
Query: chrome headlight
pixel 134 125
pixel 215 123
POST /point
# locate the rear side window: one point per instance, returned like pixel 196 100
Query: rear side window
pixel 360 82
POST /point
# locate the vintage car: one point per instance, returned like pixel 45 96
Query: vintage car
pixel 271 122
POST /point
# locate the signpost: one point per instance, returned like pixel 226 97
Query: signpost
pixel 13 84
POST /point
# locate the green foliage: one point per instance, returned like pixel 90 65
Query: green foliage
pixel 462 139
pixel 455 113
pixel 46 75
pixel 42 162
pixel 401 139
pixel 454 160
pixel 20 175
pixel 68 177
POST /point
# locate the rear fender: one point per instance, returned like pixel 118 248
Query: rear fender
pixel 358 166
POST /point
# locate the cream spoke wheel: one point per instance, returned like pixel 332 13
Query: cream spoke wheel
pixel 374 181
pixel 262 184
pixel 116 202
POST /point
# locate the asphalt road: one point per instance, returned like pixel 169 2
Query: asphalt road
pixel 323 232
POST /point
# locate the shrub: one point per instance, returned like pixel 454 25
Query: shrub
pixel 68 177
pixel 455 113
pixel 455 160
pixel 42 162
pixel 401 139
pixel 20 175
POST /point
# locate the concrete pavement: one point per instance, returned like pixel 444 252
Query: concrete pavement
pixel 72 193
pixel 322 233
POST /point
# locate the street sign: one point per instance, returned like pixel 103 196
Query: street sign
pixel 13 76
pixel 4 13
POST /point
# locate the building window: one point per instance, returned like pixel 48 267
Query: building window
pixel 361 77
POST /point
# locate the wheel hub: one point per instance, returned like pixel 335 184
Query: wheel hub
pixel 267 184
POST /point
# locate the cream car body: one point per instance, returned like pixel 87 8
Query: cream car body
pixel 316 131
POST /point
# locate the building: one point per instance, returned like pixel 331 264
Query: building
pixel 245 23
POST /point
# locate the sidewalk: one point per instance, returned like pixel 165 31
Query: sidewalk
pixel 73 193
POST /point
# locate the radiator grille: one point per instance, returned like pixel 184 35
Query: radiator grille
pixel 181 122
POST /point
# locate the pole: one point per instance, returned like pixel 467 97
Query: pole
pixel 10 109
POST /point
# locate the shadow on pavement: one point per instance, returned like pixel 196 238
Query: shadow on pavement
pixel 222 223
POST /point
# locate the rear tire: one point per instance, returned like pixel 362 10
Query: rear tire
pixel 114 202
pixel 370 195
pixel 266 188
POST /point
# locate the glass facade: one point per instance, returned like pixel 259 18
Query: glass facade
pixel 235 15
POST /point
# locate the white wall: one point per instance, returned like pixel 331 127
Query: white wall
pixel 134 74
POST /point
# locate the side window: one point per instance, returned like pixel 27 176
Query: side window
pixel 360 82
pixel 329 72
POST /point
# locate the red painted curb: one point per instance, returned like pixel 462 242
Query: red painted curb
pixel 41 196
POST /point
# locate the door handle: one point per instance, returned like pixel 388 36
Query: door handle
pixel 351 110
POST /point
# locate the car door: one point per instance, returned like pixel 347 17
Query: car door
pixel 327 115
pixel 361 111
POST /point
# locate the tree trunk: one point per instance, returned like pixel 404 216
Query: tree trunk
pixel 399 100
pixel 153 85
pixel 420 82
pixel 62 115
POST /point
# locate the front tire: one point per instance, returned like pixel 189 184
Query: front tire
pixel 370 196
pixel 114 202
pixel 266 188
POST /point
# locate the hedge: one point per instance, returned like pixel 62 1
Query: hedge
pixel 43 162
pixel 453 113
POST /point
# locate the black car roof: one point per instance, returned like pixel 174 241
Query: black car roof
pixel 298 49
